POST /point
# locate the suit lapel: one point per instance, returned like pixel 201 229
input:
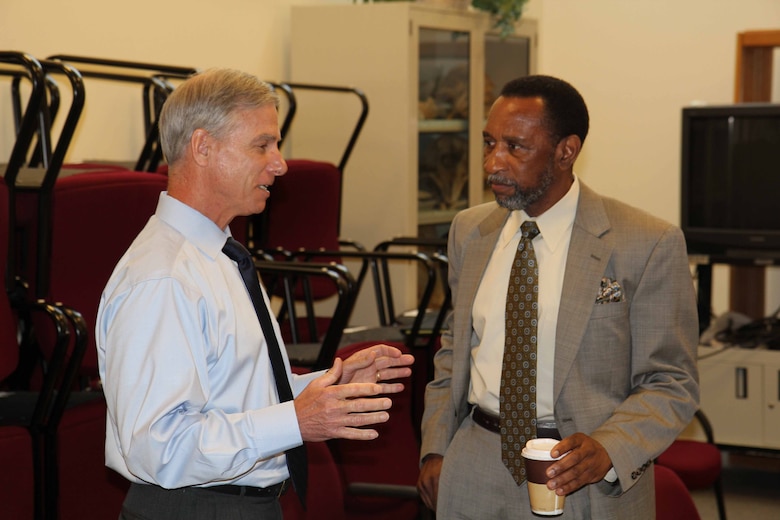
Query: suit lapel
pixel 588 256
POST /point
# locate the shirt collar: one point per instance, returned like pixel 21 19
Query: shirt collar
pixel 192 224
pixel 553 223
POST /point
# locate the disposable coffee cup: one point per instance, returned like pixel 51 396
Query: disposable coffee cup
pixel 537 459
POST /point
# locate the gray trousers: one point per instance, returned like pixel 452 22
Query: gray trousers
pixel 155 503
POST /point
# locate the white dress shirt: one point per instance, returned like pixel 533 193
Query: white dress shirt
pixel 187 378
pixel 552 248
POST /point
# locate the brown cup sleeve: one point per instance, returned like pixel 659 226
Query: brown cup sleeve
pixel 536 470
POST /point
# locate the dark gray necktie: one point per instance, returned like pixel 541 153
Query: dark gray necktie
pixel 517 397
pixel 296 457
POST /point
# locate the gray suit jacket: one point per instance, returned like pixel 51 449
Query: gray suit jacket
pixel 625 372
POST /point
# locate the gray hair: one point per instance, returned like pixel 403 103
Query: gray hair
pixel 208 100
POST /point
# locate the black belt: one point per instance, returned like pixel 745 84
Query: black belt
pixel 492 423
pixel 274 491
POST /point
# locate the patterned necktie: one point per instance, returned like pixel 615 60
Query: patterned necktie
pixel 517 399
pixel 296 457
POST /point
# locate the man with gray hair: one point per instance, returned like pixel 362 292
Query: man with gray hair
pixel 194 419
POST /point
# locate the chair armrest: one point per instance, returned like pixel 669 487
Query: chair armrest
pixel 383 490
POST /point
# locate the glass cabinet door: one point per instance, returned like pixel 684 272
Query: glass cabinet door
pixel 443 113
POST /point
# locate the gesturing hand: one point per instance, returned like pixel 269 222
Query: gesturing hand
pixel 377 363
pixel 327 410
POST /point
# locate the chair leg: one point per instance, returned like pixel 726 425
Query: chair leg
pixel 718 486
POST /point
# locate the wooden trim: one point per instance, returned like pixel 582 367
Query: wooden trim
pixel 753 78
pixel 766 38
pixel 753 82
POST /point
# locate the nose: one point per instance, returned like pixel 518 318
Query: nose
pixel 278 166
pixel 493 160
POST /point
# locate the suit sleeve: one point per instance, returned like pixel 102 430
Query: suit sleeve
pixel 664 392
pixel 439 419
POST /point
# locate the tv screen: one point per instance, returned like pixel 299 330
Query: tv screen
pixel 731 180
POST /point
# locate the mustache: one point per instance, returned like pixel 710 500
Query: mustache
pixel 496 178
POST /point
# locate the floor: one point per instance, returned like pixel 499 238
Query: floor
pixel 751 485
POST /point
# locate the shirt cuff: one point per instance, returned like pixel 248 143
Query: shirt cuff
pixel 611 476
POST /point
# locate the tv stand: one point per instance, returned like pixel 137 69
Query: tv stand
pixel 739 395
pixel 739 387
pixel 748 288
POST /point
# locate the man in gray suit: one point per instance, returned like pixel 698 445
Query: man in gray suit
pixel 615 337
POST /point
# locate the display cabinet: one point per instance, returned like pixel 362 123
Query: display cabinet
pixel 429 74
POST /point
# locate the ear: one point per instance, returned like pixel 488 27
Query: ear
pixel 567 151
pixel 201 146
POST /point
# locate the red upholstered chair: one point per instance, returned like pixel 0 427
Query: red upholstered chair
pixel 304 211
pixel 73 228
pixel 325 495
pixel 380 476
pixel 698 464
pixel 17 486
pixel 86 487
pixel 37 378
pixel 95 218
pixel 672 499
pixel 310 183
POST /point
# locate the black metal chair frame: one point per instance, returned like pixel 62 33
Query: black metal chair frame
pixel 155 90
pixel 284 277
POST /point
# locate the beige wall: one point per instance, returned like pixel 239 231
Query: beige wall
pixel 636 62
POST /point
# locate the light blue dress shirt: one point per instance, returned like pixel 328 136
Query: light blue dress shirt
pixel 189 386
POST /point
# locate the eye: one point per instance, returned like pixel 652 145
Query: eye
pixel 515 146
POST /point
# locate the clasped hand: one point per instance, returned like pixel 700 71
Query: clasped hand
pixel 346 398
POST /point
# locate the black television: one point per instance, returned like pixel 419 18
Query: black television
pixel 730 172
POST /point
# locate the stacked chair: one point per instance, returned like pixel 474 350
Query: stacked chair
pixel 69 224
pixel 30 413
pixel 57 250
pixel 42 344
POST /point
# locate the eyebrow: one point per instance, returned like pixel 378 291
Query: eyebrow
pixel 266 138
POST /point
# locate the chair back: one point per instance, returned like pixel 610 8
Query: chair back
pixel 304 211
pixel 672 499
pixel 95 218
pixel 391 460
pixel 9 347
pixel 325 495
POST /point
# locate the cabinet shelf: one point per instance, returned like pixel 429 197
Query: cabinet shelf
pixel 431 126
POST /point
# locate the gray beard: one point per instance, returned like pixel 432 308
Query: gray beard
pixel 522 198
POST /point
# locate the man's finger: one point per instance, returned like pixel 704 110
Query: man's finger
pixel 355 390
